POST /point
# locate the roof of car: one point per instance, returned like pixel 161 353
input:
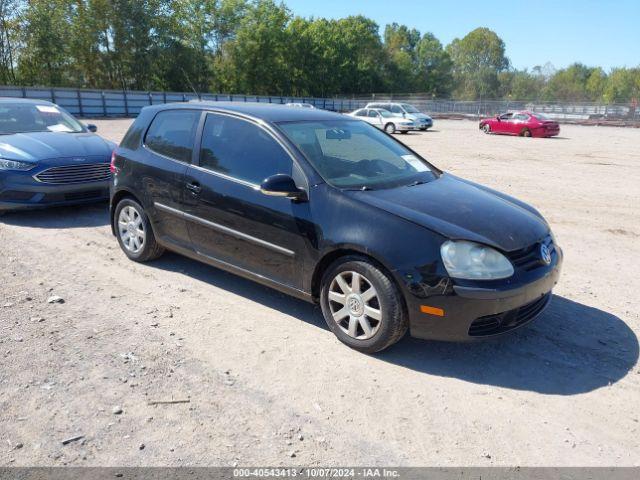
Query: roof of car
pixel 269 112
pixel 31 101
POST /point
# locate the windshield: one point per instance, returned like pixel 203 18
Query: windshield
pixel 26 117
pixel 410 108
pixel 355 155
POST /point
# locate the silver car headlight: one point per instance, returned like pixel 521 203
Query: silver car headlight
pixel 14 165
pixel 472 261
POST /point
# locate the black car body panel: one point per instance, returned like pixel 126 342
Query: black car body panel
pixel 68 168
pixel 287 243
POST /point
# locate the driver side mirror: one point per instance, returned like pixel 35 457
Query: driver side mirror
pixel 92 128
pixel 282 185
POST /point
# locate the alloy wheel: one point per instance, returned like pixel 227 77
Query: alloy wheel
pixel 355 306
pixel 131 229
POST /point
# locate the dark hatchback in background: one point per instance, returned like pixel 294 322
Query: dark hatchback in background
pixel 331 209
pixel 48 158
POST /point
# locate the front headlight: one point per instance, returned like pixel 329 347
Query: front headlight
pixel 15 165
pixel 473 261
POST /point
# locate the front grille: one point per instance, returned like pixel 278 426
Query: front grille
pixel 529 258
pixel 97 172
pixel 503 322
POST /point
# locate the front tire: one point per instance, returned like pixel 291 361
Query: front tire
pixel 362 305
pixel 390 128
pixel 486 128
pixel 134 232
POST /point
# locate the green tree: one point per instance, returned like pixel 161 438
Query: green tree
pixel 623 85
pixel 253 61
pixel 434 67
pixel 477 59
pixel 521 84
pixel 9 14
pixel 46 56
pixel 570 84
pixel 400 44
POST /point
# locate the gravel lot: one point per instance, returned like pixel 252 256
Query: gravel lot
pixel 263 381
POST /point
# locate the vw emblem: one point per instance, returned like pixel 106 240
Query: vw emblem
pixel 545 254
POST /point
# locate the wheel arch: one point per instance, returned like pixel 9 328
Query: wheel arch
pixel 117 198
pixel 342 252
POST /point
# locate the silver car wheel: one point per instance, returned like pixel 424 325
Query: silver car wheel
pixel 131 229
pixel 486 128
pixel 354 305
pixel 390 128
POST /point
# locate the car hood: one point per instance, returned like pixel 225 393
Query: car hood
pixel 36 146
pixel 461 210
pixel 419 116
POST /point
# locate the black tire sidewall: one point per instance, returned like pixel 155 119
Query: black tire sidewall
pixel 390 128
pixel 394 323
pixel 149 240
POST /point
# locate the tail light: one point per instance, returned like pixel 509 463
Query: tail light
pixel 112 165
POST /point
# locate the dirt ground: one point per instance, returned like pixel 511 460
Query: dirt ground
pixel 264 382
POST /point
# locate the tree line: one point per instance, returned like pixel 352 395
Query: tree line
pixel 259 47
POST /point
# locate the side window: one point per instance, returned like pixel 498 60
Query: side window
pixel 241 149
pixel 521 117
pixel 506 116
pixel 172 133
pixel 361 113
pixel 396 109
pixel 373 113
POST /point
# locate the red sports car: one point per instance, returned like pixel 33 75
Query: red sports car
pixel 526 124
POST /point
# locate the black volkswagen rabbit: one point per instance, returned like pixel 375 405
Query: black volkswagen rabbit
pixel 332 210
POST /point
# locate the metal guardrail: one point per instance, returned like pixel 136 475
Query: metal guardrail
pixel 118 103
pixel 564 111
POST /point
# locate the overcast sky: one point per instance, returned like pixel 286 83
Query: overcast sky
pixel 598 33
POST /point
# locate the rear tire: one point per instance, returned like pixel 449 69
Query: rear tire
pixel 390 128
pixel 134 232
pixel 526 132
pixel 362 305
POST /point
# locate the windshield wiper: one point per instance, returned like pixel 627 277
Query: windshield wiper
pixel 362 188
pixel 417 182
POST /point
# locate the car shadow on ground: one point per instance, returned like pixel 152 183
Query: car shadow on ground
pixel 79 216
pixel 570 349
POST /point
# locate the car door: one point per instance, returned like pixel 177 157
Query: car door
pixel 519 123
pixel 396 110
pixel 229 219
pixel 374 118
pixel 504 124
pixel 166 153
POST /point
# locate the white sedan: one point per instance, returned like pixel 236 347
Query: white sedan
pixel 384 120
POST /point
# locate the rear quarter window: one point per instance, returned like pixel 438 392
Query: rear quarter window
pixel 172 134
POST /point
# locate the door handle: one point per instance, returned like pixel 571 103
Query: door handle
pixel 194 187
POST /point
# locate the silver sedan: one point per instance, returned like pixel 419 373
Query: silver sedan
pixel 384 120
